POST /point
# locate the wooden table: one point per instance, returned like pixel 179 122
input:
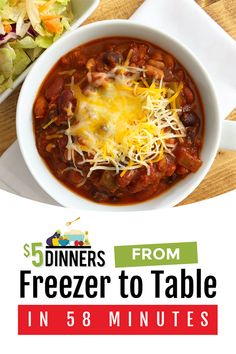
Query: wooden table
pixel 222 176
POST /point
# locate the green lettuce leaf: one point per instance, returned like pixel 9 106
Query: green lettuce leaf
pixel 34 16
pixel 21 62
pixel 12 13
pixel 34 53
pixel 27 43
pixel 43 42
pixel 66 23
pixel 16 56
pixel 7 57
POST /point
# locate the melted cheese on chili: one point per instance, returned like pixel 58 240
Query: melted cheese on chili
pixel 126 124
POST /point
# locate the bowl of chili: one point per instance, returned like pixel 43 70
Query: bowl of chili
pixel 125 121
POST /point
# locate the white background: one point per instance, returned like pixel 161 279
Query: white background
pixel 210 223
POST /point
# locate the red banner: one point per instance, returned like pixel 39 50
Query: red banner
pixel 117 319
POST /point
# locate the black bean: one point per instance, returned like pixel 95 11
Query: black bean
pixel 191 134
pixel 170 179
pixel 190 119
pixel 187 108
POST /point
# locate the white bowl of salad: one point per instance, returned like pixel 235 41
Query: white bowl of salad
pixel 28 27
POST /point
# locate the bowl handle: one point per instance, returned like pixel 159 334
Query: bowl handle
pixel 228 138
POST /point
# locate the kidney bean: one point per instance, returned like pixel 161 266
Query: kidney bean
pixel 169 61
pixel 190 119
pixel 40 107
pixel 64 100
pixel 151 71
pixel 180 75
pixel 143 49
pixel 188 94
pixel 157 55
pixel 112 58
pixel 156 63
pixel 54 88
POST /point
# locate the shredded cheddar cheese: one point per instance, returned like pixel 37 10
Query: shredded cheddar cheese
pixel 126 124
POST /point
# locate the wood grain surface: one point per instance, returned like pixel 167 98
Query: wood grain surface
pixel 222 176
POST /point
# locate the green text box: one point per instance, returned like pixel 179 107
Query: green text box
pixel 156 254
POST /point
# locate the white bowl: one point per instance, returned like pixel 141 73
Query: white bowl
pixel 100 30
pixel 82 9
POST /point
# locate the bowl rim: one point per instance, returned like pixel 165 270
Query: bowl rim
pixel 61 199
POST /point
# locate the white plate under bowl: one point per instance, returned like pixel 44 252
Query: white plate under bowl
pixel 82 9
